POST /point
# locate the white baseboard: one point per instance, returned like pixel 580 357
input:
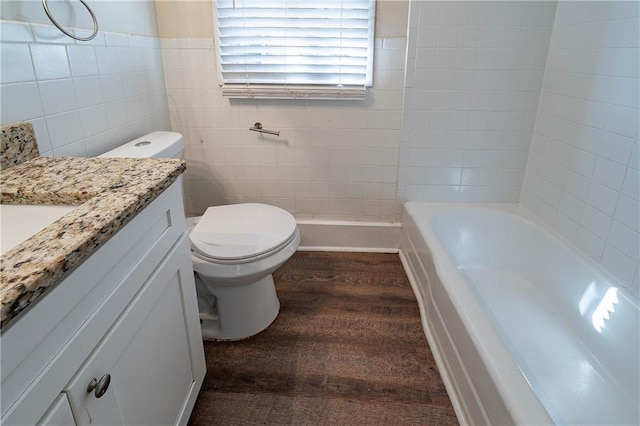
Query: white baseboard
pixel 327 235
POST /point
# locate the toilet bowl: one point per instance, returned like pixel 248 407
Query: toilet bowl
pixel 234 248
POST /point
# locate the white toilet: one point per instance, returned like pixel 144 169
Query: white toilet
pixel 235 249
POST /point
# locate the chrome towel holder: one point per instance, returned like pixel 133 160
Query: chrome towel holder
pixel 73 36
pixel 257 127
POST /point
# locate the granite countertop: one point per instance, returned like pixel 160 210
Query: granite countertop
pixel 109 192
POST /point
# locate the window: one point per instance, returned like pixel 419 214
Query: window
pixel 279 49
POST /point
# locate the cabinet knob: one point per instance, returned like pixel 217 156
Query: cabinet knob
pixel 100 386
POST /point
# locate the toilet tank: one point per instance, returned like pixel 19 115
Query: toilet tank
pixel 151 145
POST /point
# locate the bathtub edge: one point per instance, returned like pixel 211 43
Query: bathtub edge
pixel 443 367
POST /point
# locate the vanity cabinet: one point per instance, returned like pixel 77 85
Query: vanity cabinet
pixel 128 314
pixel 59 413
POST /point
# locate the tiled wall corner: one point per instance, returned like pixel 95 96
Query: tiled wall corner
pixel 82 98
pixel 582 176
pixel 473 81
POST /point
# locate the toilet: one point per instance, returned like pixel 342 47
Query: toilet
pixel 234 248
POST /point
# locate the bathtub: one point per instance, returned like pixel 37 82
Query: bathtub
pixel 524 330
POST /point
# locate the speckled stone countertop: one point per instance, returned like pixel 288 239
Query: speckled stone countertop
pixel 17 144
pixel 109 192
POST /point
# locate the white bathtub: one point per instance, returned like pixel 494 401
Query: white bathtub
pixel 524 329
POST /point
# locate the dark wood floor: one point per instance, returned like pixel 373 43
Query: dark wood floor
pixel 347 348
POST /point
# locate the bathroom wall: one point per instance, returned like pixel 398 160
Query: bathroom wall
pixel 582 177
pixel 333 160
pixel 192 18
pixel 126 16
pixel 474 75
pixel 82 98
pixel 477 72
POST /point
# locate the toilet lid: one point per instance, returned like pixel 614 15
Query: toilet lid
pixel 239 231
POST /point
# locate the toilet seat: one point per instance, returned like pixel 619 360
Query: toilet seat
pixel 240 233
pixel 260 256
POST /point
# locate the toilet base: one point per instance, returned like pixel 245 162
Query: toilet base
pixel 236 312
pixel 213 339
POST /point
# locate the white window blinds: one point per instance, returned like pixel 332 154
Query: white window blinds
pixel 288 49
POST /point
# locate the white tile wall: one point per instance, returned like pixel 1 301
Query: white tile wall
pixel 582 176
pixel 83 98
pixel 333 160
pixel 474 74
pixel 456 125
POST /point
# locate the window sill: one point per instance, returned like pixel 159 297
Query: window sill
pixel 242 91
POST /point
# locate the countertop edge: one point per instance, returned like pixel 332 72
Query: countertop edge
pixel 25 278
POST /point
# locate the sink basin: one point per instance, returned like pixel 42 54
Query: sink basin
pixel 18 222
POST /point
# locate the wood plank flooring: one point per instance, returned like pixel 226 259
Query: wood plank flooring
pixel 347 348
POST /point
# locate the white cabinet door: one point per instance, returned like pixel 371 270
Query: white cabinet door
pixel 146 353
pixel 59 414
